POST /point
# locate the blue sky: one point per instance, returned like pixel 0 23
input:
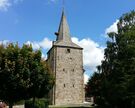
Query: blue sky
pixel 35 21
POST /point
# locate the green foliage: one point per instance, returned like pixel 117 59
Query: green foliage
pixel 39 103
pixel 23 73
pixel 116 78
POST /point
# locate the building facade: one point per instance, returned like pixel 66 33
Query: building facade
pixel 65 61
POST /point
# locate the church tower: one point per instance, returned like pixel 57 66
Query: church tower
pixel 65 61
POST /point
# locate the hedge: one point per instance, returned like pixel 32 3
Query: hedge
pixel 39 103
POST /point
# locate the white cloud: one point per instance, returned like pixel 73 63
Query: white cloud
pixel 4 5
pixel 4 42
pixel 45 44
pixel 86 78
pixel 92 52
pixel 44 56
pixel 112 28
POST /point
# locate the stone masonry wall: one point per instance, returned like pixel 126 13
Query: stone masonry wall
pixel 69 87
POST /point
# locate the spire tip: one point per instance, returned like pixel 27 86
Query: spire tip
pixel 63 5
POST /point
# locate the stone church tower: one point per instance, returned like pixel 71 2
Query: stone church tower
pixel 65 61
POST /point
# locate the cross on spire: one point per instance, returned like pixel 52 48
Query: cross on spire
pixel 63 4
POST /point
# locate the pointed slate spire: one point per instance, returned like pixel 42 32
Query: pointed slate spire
pixel 63 32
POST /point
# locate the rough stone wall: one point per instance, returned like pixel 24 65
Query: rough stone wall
pixel 67 67
pixel 51 65
pixel 69 76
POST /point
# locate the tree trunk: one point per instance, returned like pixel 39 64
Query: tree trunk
pixel 34 102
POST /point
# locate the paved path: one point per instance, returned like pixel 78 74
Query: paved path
pixel 17 106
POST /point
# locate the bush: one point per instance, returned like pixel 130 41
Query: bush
pixel 39 103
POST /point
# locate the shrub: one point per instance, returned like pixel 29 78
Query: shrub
pixel 39 103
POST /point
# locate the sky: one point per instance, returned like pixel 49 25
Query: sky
pixel 35 21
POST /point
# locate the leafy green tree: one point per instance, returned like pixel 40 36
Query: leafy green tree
pixel 23 74
pixel 118 68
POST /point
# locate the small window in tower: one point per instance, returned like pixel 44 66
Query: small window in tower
pixel 64 85
pixel 63 69
pixel 73 85
pixel 73 70
pixel 68 50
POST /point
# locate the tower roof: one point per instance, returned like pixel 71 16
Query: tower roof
pixel 63 32
pixel 63 35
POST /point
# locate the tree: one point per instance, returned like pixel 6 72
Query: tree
pixel 23 73
pixel 118 67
